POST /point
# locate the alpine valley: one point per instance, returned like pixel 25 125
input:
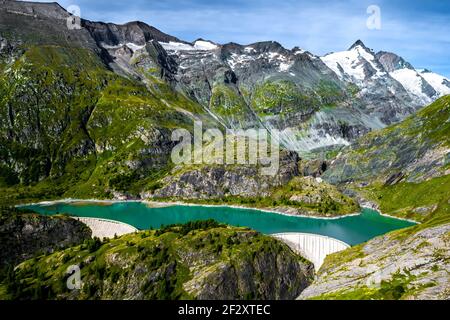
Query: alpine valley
pixel 88 113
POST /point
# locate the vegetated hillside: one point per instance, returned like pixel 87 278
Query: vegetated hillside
pixel 403 168
pixel 88 113
pixel 71 126
pixel 201 260
pixel 407 169
pixel 414 150
pixel 24 235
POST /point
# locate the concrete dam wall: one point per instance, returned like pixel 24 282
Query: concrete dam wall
pixel 312 246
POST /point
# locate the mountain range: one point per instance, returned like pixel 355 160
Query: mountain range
pixel 337 97
pixel 88 113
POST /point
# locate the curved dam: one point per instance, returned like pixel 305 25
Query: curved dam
pixel 104 228
pixel 313 247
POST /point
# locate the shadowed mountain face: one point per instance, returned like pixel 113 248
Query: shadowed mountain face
pixel 25 23
pixel 24 235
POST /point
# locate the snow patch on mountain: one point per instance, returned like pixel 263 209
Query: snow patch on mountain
pixel 345 64
pixel 199 45
pixel 297 51
pixel 204 45
pixel 412 82
pixel 284 67
pixel 107 47
pixel 134 47
pixel 249 50
pixel 440 83
pixel 240 60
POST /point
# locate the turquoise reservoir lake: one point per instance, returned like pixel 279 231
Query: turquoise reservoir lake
pixel 352 229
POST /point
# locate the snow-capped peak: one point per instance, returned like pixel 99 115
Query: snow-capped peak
pixel 360 64
pixel 356 64
pixel 414 82
pixel 359 45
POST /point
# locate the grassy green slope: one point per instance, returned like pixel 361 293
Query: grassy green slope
pixel 404 168
pixel 417 148
pixel 70 127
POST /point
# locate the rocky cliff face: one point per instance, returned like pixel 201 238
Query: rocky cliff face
pixel 23 236
pixel 292 190
pixel 264 84
pixel 136 32
pixel 202 261
pixel 399 265
pixel 217 181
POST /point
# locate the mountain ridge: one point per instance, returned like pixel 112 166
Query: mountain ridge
pixel 292 93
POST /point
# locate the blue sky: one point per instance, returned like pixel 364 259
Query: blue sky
pixel 417 30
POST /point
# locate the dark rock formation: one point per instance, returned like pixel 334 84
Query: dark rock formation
pixel 211 182
pixel 23 235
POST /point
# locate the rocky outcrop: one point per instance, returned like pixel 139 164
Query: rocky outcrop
pixel 201 260
pixel 410 264
pixel 314 168
pixel 279 274
pixel 32 23
pixel 392 62
pixel 23 236
pixel 217 181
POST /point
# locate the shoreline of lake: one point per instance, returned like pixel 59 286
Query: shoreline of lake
pixel 164 204
pixel 144 215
